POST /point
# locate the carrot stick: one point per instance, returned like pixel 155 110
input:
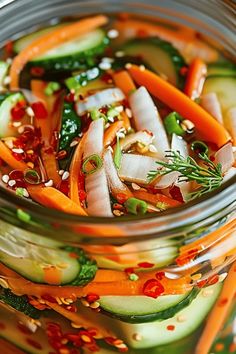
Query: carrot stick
pixel 53 198
pixel 51 40
pixel 124 81
pixel 126 121
pixel 110 133
pixel 195 79
pixel 186 42
pixel 156 198
pixel 209 128
pixel 6 155
pixel 219 313
pixel 50 164
pixel 75 168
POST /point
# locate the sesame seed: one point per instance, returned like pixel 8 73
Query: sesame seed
pixel 25 193
pixel 3 283
pixel 5 178
pixel 181 318
pixel 30 111
pixel 21 130
pixel 121 346
pixel 12 182
pixel 112 34
pixel 111 119
pixel 119 109
pixel 94 305
pixel 74 143
pixel 9 60
pixel 137 337
pixel 65 175
pixel 128 112
pixel 61 172
pixel 49 183
pixel 107 60
pixel 104 65
pixel 152 148
pixel 7 80
pixel 196 276
pixel 69 301
pixel 117 212
pixel 59 300
pixel 75 325
pixel 222 276
pixel 30 164
pixel 171 275
pixel 120 135
pixel 85 303
pixel 119 54
pixel 110 148
pixel 18 151
pixel 16 124
pixel 128 66
pixel 107 125
pixel 9 143
pixel 135 186
pixel 80 135
pixel 142 68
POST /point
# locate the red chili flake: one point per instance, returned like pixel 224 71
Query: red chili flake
pixel 176 194
pixel 146 265
pixel 61 154
pixel 16 174
pixel 110 340
pixel 129 270
pixel 9 48
pixel 160 275
pixel 70 97
pixel 121 198
pixel 212 158
pixel 2 326
pixel 186 258
pixel 64 187
pixel 142 33
pixel 223 302
pixel 73 255
pixel 153 288
pixel 39 110
pixel 103 110
pixel 92 297
pixel 18 157
pixel 71 308
pixel 183 71
pixel 49 298
pixel 170 328
pixel 33 343
pixel 18 112
pixel 37 71
pixel 107 78
pixel 210 281
pixel 82 195
pixel 232 348
pixel 117 206
pixel 219 347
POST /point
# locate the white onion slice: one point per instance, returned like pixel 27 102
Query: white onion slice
pixel 94 141
pixel 146 116
pixel 211 104
pixel 99 99
pixel 96 185
pixel 225 157
pixel 180 145
pixel 135 168
pixel 229 174
pixel 142 137
pixel 230 122
pixel 115 184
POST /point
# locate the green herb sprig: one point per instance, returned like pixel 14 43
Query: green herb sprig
pixel 208 177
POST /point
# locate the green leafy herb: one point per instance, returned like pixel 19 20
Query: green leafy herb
pixel 92 164
pixel 208 176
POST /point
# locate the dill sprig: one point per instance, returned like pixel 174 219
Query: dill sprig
pixel 208 176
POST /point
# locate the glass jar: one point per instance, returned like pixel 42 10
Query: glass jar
pixel 152 241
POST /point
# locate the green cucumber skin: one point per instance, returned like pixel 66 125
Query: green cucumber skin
pixel 176 58
pixel 71 126
pixel 158 316
pixel 6 105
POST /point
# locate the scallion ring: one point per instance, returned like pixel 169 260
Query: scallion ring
pixel 92 164
pixel 136 206
pixel 199 147
pixel 32 177
pixel 172 124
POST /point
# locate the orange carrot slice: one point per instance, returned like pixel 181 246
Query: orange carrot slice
pixel 207 126
pixel 52 198
pixel 124 81
pixel 156 198
pixel 51 165
pixel 126 121
pixel 6 155
pixel 51 40
pixel 195 79
pixel 219 313
pixel 110 133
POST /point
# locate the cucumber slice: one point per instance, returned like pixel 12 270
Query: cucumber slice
pixel 160 56
pixel 3 72
pixel 225 89
pixel 140 309
pixel 221 68
pixel 185 322
pixel 5 114
pixel 33 260
pixel 75 54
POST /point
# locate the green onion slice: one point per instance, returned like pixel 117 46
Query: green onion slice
pixel 52 87
pixel 172 124
pixel 32 177
pixel 199 147
pixel 92 164
pixel 136 206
